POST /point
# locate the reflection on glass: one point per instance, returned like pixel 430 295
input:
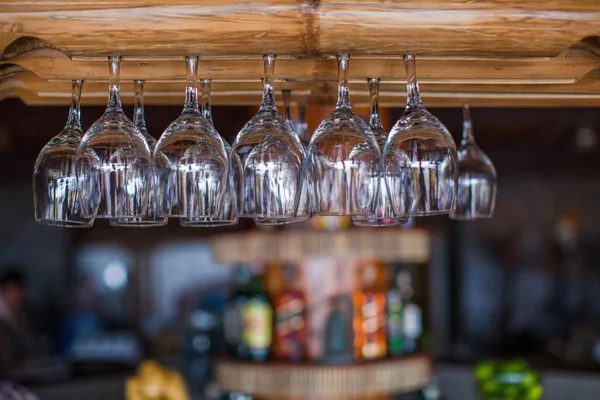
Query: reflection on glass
pixel 303 213
pixel 420 161
pixel 476 177
pixel 190 160
pixel 113 162
pixel 229 209
pixel 151 218
pixel 344 159
pixel 384 213
pixel 272 159
pixel 55 193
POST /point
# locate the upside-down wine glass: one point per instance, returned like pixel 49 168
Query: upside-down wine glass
pixel 384 213
pixel 272 160
pixel 476 177
pixel 114 161
pixel 190 160
pixel 55 192
pixel 343 159
pixel 229 210
pixel 303 213
pixel 420 161
pixel 151 219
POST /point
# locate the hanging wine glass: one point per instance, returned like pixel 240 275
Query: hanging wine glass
pixel 344 159
pixel 113 162
pixel 303 212
pixel 272 159
pixel 229 210
pixel 151 218
pixel 420 161
pixel 55 192
pixel 190 160
pixel 384 213
pixel 476 177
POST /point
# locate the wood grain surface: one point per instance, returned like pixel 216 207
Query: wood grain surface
pixel 487 52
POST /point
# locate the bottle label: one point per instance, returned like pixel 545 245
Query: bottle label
pixel 394 323
pixel 290 327
pixel 258 317
pixel 413 324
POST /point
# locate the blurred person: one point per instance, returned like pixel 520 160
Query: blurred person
pixel 86 316
pixel 14 334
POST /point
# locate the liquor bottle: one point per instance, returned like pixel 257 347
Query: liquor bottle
pixel 233 323
pixel 395 333
pixel 338 336
pixel 412 315
pixel 257 316
pixel 291 330
pixel 369 317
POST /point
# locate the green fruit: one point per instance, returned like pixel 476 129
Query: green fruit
pixel 511 391
pixel 535 393
pixel 485 370
pixel 490 386
pixel 530 379
pixel 517 365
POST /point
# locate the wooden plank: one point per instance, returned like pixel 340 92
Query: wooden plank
pixel 489 52
pixel 487 27
pixel 585 92
pixel 153 27
pixel 158 27
pixel 569 66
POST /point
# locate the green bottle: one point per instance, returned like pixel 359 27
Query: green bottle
pixel 412 314
pixel 395 333
pixel 257 316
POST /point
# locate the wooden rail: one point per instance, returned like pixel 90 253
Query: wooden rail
pixel 486 52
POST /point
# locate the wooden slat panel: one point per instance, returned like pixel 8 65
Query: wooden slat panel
pixel 488 52
pixel 488 27
pixel 508 27
pixel 159 27
pixel 571 65
pixel 585 92
pixel 360 380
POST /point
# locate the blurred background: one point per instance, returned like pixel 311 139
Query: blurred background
pixel 80 309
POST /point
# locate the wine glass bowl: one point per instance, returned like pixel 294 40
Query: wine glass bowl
pixel 113 162
pixel 228 214
pixel 271 157
pixel 344 159
pixel 303 212
pixel 476 196
pixel 383 215
pixel 420 160
pixel 55 187
pixel 151 219
pixel 190 160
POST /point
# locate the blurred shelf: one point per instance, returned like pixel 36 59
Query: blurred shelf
pixel 278 379
pixel 487 53
pixel 385 244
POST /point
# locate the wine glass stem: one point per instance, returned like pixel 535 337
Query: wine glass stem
pixel 268 101
pixel 375 119
pixel 287 113
pixel 191 87
pixel 303 126
pixel 413 99
pixel 343 91
pixel 114 98
pixel 467 137
pixel 206 110
pixel 73 121
pixel 138 106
